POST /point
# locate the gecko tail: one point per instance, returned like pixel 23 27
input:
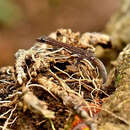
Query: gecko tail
pixel 102 69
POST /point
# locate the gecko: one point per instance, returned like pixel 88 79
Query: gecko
pixel 82 54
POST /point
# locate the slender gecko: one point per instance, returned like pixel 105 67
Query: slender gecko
pixel 83 54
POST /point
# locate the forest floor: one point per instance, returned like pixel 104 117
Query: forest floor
pixel 55 85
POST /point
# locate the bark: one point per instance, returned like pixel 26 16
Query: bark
pixel 115 114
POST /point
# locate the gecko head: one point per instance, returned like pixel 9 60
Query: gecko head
pixel 42 39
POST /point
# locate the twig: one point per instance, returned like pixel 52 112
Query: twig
pixel 41 86
pixel 36 104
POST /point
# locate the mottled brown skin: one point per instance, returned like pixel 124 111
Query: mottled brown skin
pixel 83 54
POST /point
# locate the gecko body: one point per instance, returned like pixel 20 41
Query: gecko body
pixel 82 54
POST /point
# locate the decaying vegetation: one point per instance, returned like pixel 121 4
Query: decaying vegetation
pixel 47 89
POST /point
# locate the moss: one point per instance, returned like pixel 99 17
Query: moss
pixel 118 79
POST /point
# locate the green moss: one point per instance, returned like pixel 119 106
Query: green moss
pixel 10 13
pixel 118 78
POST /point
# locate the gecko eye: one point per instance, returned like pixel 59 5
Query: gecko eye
pixel 42 39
